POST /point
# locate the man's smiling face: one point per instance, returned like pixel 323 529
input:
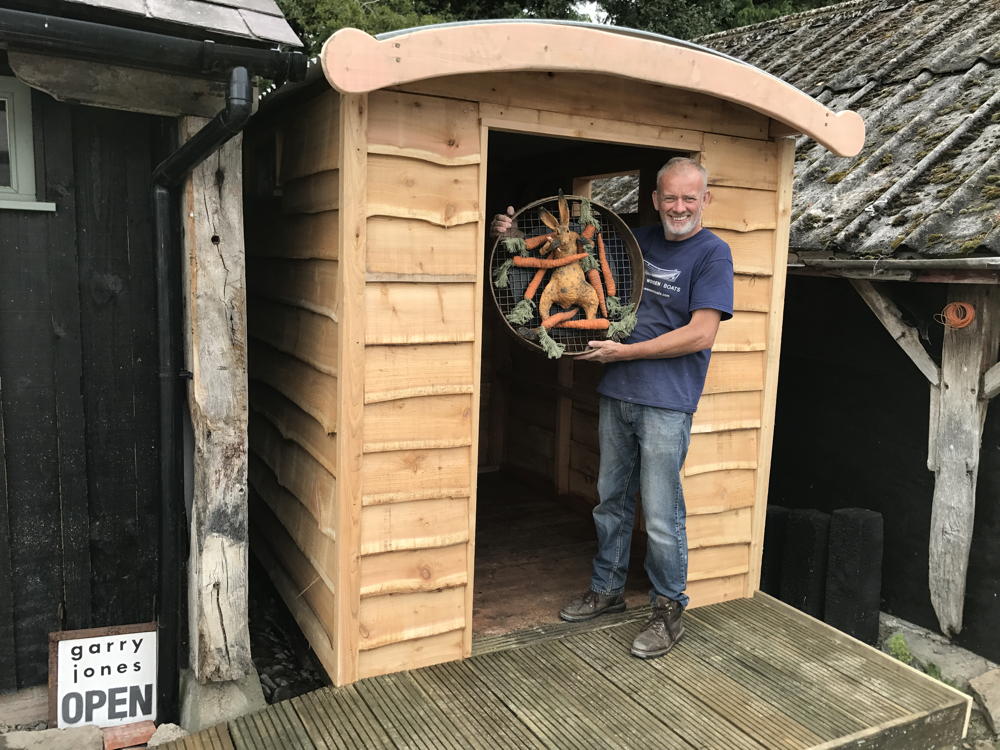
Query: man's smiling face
pixel 680 199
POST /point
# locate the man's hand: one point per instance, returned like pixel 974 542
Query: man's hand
pixel 502 223
pixel 605 351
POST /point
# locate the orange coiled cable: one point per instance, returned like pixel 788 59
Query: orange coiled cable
pixel 957 315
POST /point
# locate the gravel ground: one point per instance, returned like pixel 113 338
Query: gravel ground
pixel 980 737
pixel 33 726
pixel 284 661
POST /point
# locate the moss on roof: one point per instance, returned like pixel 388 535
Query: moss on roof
pixel 925 76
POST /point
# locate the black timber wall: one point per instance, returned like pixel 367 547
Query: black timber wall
pixel 79 483
pixel 851 431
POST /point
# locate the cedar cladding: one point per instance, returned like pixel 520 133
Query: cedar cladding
pixel 366 279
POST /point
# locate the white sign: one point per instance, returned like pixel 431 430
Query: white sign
pixel 104 677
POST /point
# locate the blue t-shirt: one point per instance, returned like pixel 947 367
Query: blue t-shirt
pixel 681 277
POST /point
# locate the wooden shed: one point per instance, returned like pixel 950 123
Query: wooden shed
pixel 901 229
pixel 383 386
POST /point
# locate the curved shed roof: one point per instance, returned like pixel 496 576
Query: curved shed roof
pixel 355 62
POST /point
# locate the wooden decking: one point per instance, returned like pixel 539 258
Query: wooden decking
pixel 753 673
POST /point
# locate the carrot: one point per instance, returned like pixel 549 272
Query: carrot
pixel 594 324
pixel 532 242
pixel 529 262
pixel 609 280
pixel 595 281
pixel 588 232
pixel 563 317
pixel 536 281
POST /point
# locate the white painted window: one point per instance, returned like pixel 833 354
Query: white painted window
pixel 17 153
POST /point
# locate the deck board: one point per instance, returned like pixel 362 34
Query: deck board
pixel 563 686
pixel 749 674
pixel 454 686
pixel 708 680
pixel 802 666
pixel 798 698
pixel 693 718
pixel 856 663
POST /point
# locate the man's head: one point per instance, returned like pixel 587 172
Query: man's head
pixel 680 197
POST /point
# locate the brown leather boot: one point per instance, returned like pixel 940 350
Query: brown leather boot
pixel 662 630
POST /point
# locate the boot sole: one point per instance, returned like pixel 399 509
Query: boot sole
pixel 584 618
pixel 659 652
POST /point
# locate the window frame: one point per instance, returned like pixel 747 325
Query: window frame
pixel 21 194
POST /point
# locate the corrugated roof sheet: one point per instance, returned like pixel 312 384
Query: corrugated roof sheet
pixel 925 76
pixel 261 20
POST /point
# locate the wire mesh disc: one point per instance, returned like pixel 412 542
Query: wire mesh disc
pixel 621 248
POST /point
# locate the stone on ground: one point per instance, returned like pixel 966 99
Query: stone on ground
pixel 986 689
pixel 208 704
pixel 166 733
pixel 78 738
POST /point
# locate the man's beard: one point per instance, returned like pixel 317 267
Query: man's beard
pixel 673 230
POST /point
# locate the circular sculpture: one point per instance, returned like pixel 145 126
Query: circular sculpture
pixel 568 271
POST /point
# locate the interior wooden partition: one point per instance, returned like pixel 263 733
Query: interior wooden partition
pixel 366 312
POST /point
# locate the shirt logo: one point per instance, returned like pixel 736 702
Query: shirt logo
pixel 661 273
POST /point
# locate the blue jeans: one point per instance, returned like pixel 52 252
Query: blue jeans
pixel 642 451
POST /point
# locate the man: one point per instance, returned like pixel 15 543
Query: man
pixel 650 389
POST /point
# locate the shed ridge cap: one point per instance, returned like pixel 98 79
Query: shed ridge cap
pixel 623 30
pixel 626 31
pixel 355 62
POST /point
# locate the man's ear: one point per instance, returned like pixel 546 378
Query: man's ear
pixel 656 201
pixel 708 197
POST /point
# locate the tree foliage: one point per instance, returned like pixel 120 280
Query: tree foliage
pixel 315 20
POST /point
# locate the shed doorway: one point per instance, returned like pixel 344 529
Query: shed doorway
pixel 538 456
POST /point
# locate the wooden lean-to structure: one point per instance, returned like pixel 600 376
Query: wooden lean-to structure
pixel 911 216
pixel 366 311
pixel 101 337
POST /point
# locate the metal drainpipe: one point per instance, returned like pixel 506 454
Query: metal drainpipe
pixel 167 176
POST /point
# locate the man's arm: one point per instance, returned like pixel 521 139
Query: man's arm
pixel 697 335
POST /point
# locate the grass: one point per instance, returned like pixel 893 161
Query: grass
pixel 899 649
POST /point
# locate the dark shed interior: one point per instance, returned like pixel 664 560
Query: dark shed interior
pixel 534 538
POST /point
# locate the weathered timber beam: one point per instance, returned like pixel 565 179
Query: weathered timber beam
pixel 904 335
pixel 958 276
pixel 957 430
pixel 105 85
pixel 991 382
pixel 914 264
pixel 215 321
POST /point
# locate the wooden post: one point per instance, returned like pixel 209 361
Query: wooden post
pixel 957 431
pixel 215 323
pixel 786 175
pixel 960 391
pixel 345 516
pixel 564 427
